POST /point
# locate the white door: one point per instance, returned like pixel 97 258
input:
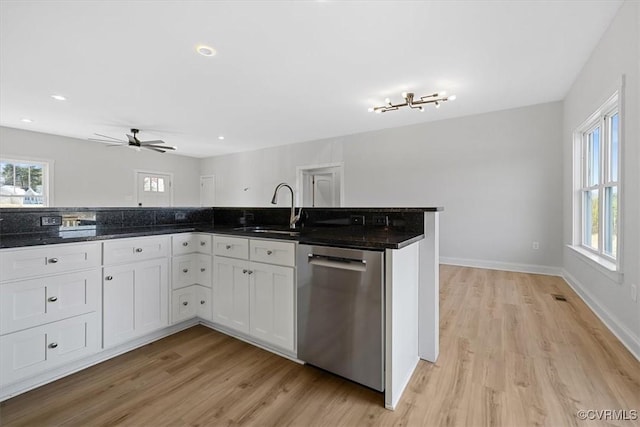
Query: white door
pixel 207 190
pixel 154 189
pixel 323 191
pixel 272 304
pixel 320 186
pixel 231 293
pixel 135 300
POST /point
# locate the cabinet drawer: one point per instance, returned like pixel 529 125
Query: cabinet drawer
pixel 32 351
pixel 231 247
pixel 50 259
pixel 188 243
pixel 191 269
pixel 33 302
pixel 272 252
pixel 136 249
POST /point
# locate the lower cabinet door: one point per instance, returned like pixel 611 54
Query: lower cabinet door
pixel 32 351
pixel 203 302
pixel 135 300
pixel 231 293
pixel 183 303
pixel 272 302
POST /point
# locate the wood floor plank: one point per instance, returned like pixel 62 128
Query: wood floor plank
pixel 510 355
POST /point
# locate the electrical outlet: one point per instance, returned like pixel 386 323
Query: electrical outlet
pixel 535 246
pixel 634 292
pixel 381 220
pixel 357 220
pixel 50 220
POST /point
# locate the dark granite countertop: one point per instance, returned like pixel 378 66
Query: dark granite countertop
pixel 356 237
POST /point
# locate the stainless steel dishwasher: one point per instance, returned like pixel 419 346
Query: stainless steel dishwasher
pixel 341 312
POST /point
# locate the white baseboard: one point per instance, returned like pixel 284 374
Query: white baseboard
pixel 503 266
pixel 626 336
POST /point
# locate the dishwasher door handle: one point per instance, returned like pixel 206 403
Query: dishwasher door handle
pixel 338 263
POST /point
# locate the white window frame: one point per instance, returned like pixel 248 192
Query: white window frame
pixel 47 177
pixel 599 118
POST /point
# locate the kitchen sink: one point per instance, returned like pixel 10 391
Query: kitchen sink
pixel 270 230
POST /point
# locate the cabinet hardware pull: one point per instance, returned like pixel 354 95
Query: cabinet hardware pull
pixel 53 299
pixel 108 278
pixel 269 252
pixel 138 250
pixel 228 246
pixel 250 271
pixel 202 269
pixel 202 243
pixel 185 270
pixel 202 301
pixel 185 303
pixel 244 271
pixel 53 345
pixel 52 260
pixel 185 244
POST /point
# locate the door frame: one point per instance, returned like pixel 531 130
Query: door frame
pixel 214 187
pixel 338 169
pixel 137 172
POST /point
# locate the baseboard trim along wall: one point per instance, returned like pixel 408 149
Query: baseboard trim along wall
pixel 626 337
pixel 503 266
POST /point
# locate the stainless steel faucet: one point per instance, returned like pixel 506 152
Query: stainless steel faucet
pixel 293 218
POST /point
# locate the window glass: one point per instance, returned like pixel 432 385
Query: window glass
pixel 611 221
pixel 146 184
pixel 23 183
pixel 593 156
pixel 591 225
pixel 614 147
pixel 160 185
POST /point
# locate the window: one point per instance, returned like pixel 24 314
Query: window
pixel 24 183
pixel 153 184
pixel 597 154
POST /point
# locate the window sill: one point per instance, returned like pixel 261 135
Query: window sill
pixel 604 266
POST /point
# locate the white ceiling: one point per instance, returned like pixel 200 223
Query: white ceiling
pixel 285 71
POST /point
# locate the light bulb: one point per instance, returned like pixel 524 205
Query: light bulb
pixel 451 98
pixel 370 109
pixel 379 110
pixel 221 137
pixel 421 109
pixel 404 95
pixel 437 104
pixel 443 93
pixel 387 101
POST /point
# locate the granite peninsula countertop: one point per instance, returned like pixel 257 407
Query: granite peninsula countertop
pixel 355 237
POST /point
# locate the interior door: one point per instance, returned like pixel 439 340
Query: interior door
pixel 323 191
pixel 154 189
pixel 207 190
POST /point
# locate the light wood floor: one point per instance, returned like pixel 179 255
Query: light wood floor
pixel 510 355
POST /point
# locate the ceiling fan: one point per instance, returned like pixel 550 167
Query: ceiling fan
pixel 134 142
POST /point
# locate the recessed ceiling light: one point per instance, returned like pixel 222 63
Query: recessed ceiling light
pixel 59 97
pixel 221 137
pixel 26 120
pixel 205 50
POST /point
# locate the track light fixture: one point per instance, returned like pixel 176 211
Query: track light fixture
pixel 410 101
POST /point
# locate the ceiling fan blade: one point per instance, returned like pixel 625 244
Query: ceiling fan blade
pixel 162 147
pixel 157 141
pixel 154 149
pixel 132 139
pixel 109 137
pixel 105 141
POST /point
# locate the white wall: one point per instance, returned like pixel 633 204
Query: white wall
pixel 498 176
pixel 617 53
pixel 90 174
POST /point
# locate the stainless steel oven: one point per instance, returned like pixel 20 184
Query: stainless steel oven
pixel 341 312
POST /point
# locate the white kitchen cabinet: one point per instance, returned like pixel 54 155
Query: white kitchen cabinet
pixel 35 350
pixel 231 293
pixel 28 303
pixel 135 300
pixel 272 304
pixel 256 298
pixel 204 298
